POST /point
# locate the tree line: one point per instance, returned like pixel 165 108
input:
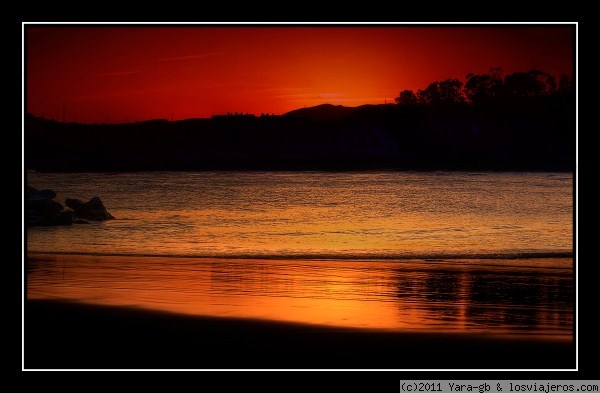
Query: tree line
pixel 486 88
pixel 519 121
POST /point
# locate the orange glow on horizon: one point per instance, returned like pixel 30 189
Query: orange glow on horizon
pixel 119 74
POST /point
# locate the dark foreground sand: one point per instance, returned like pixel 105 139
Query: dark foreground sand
pixel 67 335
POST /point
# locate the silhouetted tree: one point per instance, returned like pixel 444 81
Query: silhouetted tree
pixel 430 95
pixel 482 88
pixel 448 91
pixel 407 97
pixel 531 83
pixel 565 84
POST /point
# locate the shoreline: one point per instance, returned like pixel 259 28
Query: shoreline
pixel 67 335
pixel 37 256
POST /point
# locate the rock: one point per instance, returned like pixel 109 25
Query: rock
pixel 49 194
pixel 42 209
pixel 93 210
pixel 43 195
pixel 74 204
pixel 65 218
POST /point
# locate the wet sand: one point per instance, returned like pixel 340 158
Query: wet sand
pixel 61 335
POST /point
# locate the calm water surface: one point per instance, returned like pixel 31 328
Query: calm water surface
pixel 487 252
pixel 350 215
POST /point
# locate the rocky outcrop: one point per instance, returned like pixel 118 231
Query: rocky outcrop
pixel 93 210
pixel 42 209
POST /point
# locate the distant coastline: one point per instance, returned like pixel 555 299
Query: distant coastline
pixel 526 134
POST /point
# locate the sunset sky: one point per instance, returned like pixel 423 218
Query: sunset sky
pixel 119 74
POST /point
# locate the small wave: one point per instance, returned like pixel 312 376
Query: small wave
pixel 332 257
pixel 506 227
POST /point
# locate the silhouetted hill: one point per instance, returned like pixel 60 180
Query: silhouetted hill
pixel 322 112
pixel 522 121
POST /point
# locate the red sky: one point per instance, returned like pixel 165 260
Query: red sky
pixel 117 74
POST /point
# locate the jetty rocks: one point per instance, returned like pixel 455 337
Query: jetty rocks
pixel 92 210
pixel 43 210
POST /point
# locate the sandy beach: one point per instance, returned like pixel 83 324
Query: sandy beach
pixel 77 336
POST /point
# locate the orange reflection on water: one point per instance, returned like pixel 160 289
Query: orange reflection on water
pixel 383 295
pixel 391 215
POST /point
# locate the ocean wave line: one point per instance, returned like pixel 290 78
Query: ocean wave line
pixel 331 257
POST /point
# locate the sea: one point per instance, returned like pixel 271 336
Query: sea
pixel 480 252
